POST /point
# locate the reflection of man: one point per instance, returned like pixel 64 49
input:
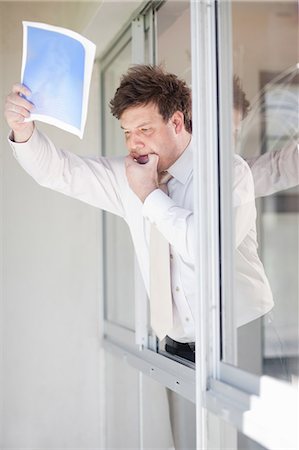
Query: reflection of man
pixel 252 290
pixel 274 170
pixel 253 296
pixel 154 109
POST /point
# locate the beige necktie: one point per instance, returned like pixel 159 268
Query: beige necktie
pixel 160 281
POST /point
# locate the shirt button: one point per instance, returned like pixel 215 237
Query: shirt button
pixel 177 289
pixel 171 256
pixel 187 319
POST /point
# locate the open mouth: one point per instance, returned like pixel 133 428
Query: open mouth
pixel 143 159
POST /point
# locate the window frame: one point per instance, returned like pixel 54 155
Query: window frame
pixel 246 401
pixel 137 347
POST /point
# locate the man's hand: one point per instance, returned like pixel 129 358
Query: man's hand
pixel 142 178
pixel 16 110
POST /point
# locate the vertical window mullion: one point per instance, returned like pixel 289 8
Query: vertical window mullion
pixel 225 76
pixel 138 40
pixel 204 87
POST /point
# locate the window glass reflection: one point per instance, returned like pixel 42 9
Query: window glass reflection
pixel 266 137
pixel 119 252
pixel 172 18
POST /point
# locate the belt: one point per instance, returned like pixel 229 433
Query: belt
pixel 185 350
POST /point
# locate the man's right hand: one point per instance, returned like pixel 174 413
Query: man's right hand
pixel 17 108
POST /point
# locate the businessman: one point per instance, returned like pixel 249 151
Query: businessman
pixel 152 189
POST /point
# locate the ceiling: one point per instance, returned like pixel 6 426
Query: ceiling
pixel 98 20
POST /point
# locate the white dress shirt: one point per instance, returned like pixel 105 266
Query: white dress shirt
pixel 102 182
pixel 253 295
pixel 276 170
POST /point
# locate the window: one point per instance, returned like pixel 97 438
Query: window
pixel 150 38
pixel 238 38
pixel 264 60
pixel 171 18
pixel 236 346
pixel 118 248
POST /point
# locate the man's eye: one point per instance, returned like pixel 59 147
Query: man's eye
pixel 145 130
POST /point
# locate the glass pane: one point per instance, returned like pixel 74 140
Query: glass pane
pixel 119 252
pixel 173 32
pixel 264 37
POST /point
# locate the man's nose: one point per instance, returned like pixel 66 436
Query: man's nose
pixel 135 142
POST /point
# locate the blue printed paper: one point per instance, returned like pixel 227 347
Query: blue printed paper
pixel 57 67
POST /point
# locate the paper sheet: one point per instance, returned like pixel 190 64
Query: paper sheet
pixel 57 66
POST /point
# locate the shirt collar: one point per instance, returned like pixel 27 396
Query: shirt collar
pixel 183 166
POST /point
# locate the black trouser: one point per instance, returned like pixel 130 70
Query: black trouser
pixel 184 350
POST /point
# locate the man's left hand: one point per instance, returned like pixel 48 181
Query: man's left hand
pixel 142 178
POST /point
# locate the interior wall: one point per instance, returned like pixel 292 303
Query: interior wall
pixel 50 287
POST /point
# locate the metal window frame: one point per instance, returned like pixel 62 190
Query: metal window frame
pixel 248 402
pixel 204 117
pixel 244 400
pixel 108 58
pixel 137 348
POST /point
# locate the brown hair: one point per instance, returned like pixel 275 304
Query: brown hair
pixel 144 84
pixel 239 97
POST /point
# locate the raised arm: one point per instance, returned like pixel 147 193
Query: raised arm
pixel 276 170
pixel 98 181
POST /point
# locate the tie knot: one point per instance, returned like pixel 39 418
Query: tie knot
pixel 164 177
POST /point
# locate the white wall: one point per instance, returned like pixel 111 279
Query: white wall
pixel 137 410
pixel 50 289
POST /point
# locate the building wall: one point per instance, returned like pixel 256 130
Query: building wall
pixel 50 288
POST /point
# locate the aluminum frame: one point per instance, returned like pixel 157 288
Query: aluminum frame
pixel 175 373
pixel 240 398
pixel 204 87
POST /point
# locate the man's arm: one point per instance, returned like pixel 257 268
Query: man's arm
pixel 100 182
pixel 244 209
pixel 174 222
pixel 177 223
pixel 276 170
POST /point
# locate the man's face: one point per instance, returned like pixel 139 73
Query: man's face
pixel 146 132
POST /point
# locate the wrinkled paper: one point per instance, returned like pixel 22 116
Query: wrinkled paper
pixel 57 66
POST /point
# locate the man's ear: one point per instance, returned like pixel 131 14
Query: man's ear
pixel 178 121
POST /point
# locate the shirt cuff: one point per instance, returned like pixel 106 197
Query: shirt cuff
pixel 21 145
pixel 156 206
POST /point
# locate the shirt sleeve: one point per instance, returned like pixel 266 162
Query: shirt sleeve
pixel 96 181
pixel 243 200
pixel 276 170
pixel 175 223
